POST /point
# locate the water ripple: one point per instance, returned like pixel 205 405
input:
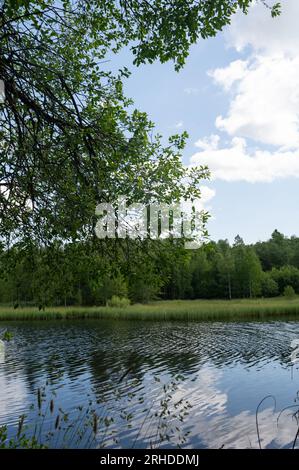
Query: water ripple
pixel 222 369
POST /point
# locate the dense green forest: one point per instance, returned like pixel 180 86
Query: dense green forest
pixel 85 274
pixel 70 139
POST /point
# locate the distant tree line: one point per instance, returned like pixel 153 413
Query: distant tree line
pixel 90 274
pixel 222 271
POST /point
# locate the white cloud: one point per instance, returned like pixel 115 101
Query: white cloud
pixel 263 88
pixel 273 36
pixel 191 91
pixel 229 75
pixel 265 103
pixel 207 194
pixel 208 143
pixel 236 162
pixel 179 125
pixel 12 387
pixel 202 204
pixel 212 420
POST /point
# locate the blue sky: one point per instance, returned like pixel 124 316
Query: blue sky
pixel 243 88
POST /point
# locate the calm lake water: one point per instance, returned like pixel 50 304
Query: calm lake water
pixel 151 384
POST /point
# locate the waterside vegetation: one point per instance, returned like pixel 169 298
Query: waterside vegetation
pixel 175 310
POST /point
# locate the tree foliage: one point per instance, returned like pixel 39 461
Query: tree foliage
pixel 68 139
pixel 85 274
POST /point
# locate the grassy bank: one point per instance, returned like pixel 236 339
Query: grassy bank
pixel 197 310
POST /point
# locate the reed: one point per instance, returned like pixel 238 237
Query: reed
pixel 176 310
pixel 94 425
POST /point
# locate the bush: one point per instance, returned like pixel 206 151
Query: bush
pixel 286 276
pixel 269 286
pixel 289 292
pixel 119 302
pixel 105 288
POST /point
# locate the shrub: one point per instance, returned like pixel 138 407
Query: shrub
pixel 269 286
pixel 105 288
pixel 289 292
pixel 286 276
pixel 119 302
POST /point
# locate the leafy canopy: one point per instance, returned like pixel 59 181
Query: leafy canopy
pixel 68 137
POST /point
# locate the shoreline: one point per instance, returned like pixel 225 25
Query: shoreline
pixel 169 310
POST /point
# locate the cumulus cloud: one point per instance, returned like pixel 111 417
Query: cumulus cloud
pixel 227 76
pixel 202 204
pixel 259 31
pixel 237 162
pixel 210 143
pixel 217 426
pixel 265 103
pixel 264 99
pixel 207 194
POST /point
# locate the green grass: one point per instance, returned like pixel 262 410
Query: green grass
pixel 190 310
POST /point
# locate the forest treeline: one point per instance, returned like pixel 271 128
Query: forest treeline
pixel 71 138
pixel 82 274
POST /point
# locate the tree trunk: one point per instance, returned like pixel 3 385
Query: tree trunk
pixel 229 288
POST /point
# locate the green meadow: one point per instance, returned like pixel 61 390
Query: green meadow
pixel 184 310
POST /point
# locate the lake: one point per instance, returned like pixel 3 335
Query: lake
pixel 151 384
